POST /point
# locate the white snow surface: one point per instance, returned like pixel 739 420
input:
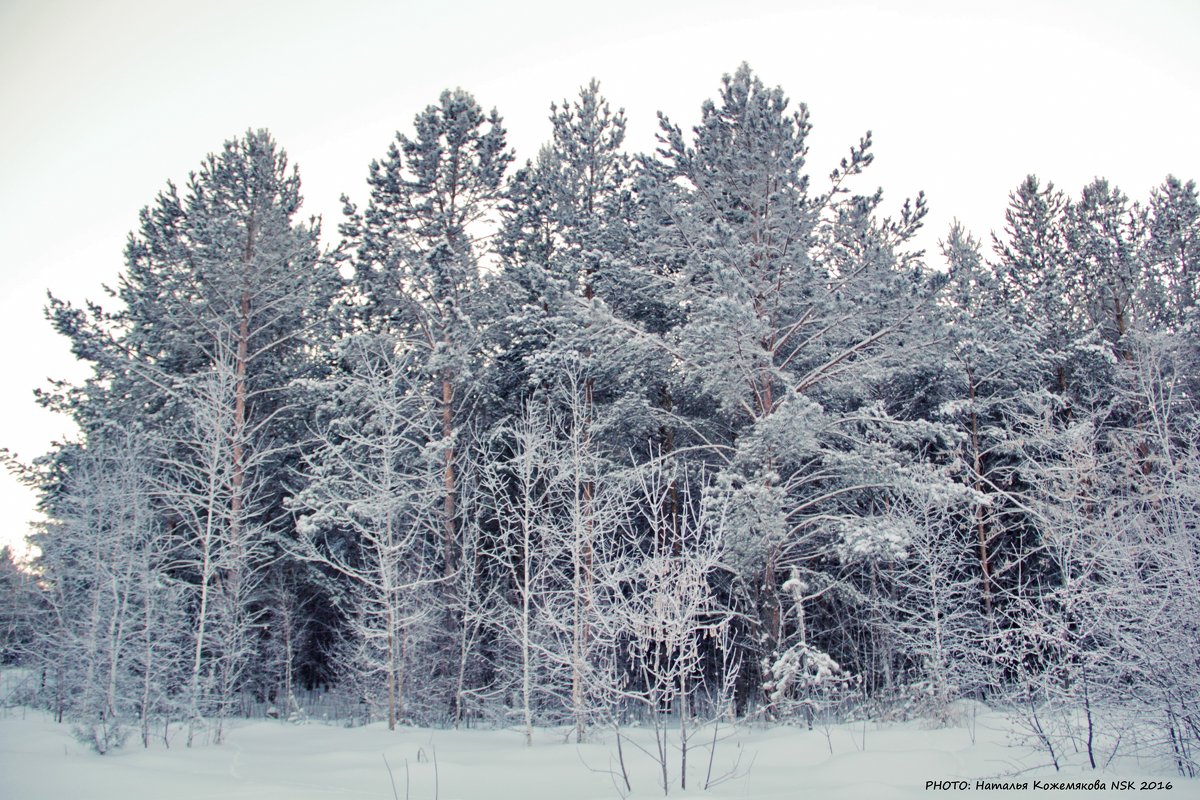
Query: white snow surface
pixel 266 760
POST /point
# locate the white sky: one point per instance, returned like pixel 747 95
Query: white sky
pixel 102 102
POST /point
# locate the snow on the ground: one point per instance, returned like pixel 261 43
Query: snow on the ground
pixel 274 760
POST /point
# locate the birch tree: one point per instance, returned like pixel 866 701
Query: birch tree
pixel 369 515
pixel 105 567
pixel 219 540
pixel 562 515
pixel 674 631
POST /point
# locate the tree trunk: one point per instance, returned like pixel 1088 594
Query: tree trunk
pixel 240 390
pixel 980 515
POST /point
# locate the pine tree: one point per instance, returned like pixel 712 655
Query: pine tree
pixel 1173 252
pixel 222 308
pixel 416 260
pixel 577 316
pixel 575 302
pixel 1034 272
pixel 796 304
pixel 992 363
pixel 1104 240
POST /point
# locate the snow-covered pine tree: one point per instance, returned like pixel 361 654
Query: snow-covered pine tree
pixel 1103 462
pixel 416 253
pixel 1033 268
pixel 580 314
pixel 798 305
pixel 991 363
pixel 575 302
pixel 1104 239
pixel 1055 369
pixel 1172 255
pixel 221 307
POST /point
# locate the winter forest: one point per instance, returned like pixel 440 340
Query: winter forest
pixel 604 438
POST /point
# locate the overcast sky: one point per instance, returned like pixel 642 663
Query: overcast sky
pixel 102 102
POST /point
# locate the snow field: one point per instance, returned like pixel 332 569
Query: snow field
pixel 272 760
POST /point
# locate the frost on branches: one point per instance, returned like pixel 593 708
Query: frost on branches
pixel 671 438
